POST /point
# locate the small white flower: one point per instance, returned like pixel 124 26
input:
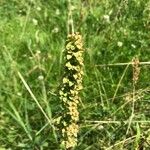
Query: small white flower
pixel 40 77
pixel 38 8
pixel 72 7
pixel 30 57
pixel 57 12
pixel 35 22
pixel 119 44
pixel 106 18
pixel 55 30
pixel 132 45
pixel 125 32
pixel 38 52
pixel 100 127
pixel 19 94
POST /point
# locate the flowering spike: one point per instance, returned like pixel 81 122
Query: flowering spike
pixel 69 93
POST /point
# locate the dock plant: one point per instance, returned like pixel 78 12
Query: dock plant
pixel 69 91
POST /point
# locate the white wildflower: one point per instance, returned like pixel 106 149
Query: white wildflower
pixel 133 46
pixel 100 127
pixel 57 12
pixel 40 77
pixel 72 7
pixel 119 44
pixel 35 22
pixel 38 8
pixel 19 94
pixel 55 30
pixel 106 18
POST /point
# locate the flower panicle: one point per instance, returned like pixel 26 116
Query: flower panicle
pixel 69 92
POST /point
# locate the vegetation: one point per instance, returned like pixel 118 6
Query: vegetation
pixel 69 92
pixel 114 106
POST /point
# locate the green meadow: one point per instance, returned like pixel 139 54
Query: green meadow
pixel 114 108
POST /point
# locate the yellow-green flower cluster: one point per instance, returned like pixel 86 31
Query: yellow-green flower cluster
pixel 69 92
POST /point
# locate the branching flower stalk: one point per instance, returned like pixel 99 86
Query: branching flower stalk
pixel 69 92
pixel 136 73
